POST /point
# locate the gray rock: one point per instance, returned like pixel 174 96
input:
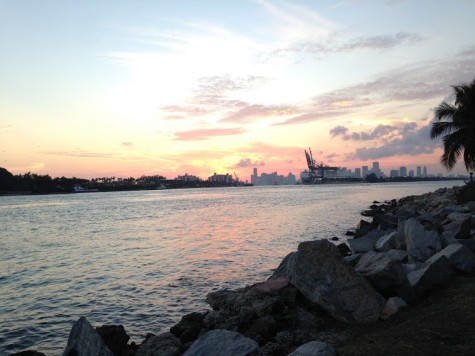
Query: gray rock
pixel 221 342
pixel 444 212
pixel 386 275
pixel 366 243
pixel 448 238
pixel 392 306
pixel 460 225
pixel 471 206
pixel 406 213
pixel 319 272
pixel 283 269
pixel 459 256
pixel 189 327
pixel 353 259
pixel 165 344
pixel 115 338
pixel 361 245
pixel 399 255
pixel 421 244
pixel 211 319
pixel 435 273
pixel 387 242
pixel 83 340
pixel 314 348
pixel 469 243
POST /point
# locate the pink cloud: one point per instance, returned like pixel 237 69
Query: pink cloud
pixel 204 134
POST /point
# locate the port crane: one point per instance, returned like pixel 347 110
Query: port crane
pixel 316 171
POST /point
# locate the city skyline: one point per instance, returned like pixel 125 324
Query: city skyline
pixel 126 89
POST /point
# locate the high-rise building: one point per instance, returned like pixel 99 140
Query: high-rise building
pixel 291 179
pixel 419 171
pixel 402 171
pixel 254 176
pixel 411 173
pixel 424 171
pixel 393 173
pixel 357 172
pixel 365 171
pixel 376 170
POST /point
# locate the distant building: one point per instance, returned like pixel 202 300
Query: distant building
pixel 419 171
pixel 272 178
pixel 403 172
pixel 357 172
pixel 291 179
pixel 365 171
pixel 394 173
pixel 188 178
pixel 411 173
pixel 221 178
pixel 424 171
pixel 254 176
pixel 376 170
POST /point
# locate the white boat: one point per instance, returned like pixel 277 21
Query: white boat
pixel 78 188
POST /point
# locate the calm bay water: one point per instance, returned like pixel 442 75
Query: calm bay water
pixel 144 259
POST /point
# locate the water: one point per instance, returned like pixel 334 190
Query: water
pixel 144 259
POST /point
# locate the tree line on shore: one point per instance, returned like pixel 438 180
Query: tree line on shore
pixel 32 183
pixel 43 184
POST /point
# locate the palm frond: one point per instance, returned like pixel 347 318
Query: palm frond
pixel 445 110
pixel 441 128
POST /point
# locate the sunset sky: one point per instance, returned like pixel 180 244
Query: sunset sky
pixel 127 88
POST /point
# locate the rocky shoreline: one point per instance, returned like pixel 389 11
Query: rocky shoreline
pixel 330 298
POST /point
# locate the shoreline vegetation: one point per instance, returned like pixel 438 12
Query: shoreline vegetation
pixel 34 184
pixel 404 283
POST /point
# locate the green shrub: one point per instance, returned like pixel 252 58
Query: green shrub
pixel 466 193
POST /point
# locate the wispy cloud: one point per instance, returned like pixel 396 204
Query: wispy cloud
pixel 204 134
pixel 247 163
pixel 256 112
pixel 410 84
pixel 332 45
pixel 127 144
pixel 398 139
pixel 80 153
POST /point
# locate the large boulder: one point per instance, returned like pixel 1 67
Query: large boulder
pixel 165 344
pixel 387 242
pixel 436 272
pixel 367 242
pixel 421 243
pixel 399 255
pixel 459 256
pixel 189 327
pixel 386 275
pixel 469 243
pixel 221 342
pixel 83 340
pixel 115 338
pixel 459 225
pixel 320 273
pixel 314 348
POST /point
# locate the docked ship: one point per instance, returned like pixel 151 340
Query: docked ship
pixel 316 171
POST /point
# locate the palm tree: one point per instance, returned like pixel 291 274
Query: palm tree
pixel 457 125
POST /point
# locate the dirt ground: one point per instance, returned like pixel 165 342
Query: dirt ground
pixel 443 323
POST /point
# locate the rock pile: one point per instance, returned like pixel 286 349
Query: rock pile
pixel 409 247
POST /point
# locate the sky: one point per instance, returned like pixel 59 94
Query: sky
pixel 129 88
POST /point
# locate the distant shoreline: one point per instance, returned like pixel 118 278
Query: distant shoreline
pixel 187 185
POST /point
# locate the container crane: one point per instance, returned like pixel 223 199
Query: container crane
pixel 316 171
